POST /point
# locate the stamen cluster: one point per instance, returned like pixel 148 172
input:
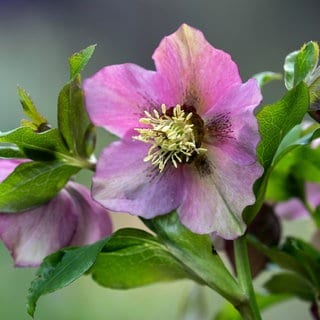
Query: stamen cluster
pixel 172 136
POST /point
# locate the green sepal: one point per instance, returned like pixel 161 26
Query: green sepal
pixel 60 269
pixel 134 258
pixel 195 252
pixel 44 146
pixel 33 183
pixel 265 77
pixel 11 151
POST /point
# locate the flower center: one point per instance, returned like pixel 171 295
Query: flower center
pixel 175 135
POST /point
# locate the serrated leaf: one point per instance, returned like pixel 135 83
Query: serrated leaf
pixel 30 109
pixel 79 60
pixel 33 183
pixel 291 284
pixel 60 269
pixel 195 252
pixel 45 146
pixel 265 77
pixel 134 258
pixel 277 119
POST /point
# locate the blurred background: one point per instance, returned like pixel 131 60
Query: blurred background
pixel 37 37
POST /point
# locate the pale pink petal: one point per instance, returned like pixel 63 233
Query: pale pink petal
pixel 313 193
pixel 217 191
pixel 7 166
pixel 291 209
pixel 116 96
pixel 197 73
pixel 124 182
pixel 33 234
pixel 238 139
pixel 93 220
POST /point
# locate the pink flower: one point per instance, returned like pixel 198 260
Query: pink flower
pixel 294 208
pixel 71 218
pixel 188 136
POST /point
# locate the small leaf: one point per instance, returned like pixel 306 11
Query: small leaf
pixel 291 284
pixel 11 151
pixel 60 269
pixel 134 258
pixel 300 64
pixel 44 146
pixel 264 78
pixel 73 120
pixel 30 109
pixel 79 60
pixel 33 183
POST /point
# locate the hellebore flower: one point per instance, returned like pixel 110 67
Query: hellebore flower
pixel 71 218
pixel 188 136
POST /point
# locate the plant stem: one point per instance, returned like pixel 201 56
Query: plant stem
pixel 249 310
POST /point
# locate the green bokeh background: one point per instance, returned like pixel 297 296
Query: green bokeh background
pixel 36 38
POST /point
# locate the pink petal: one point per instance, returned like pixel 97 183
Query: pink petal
pixel 116 96
pixel 124 182
pixel 33 234
pixel 197 73
pixel 7 166
pixel 94 222
pixel 216 195
pixel 233 116
pixel 291 209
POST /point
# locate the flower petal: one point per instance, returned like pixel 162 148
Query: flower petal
pixel 7 166
pixel 33 234
pixel 116 96
pixel 124 182
pixel 236 138
pixel 291 209
pixel 93 222
pixel 197 73
pixel 218 190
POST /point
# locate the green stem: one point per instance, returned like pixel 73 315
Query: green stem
pixel 249 310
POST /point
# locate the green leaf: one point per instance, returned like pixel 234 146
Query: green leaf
pixel 265 77
pixel 33 183
pixel 30 109
pixel 277 119
pixel 44 146
pixel 73 121
pixel 11 151
pixel 228 311
pixel 291 284
pixel 300 64
pixel 60 269
pixel 79 60
pixel 134 258
pixel 195 252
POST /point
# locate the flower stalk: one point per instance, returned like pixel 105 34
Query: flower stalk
pixel 249 310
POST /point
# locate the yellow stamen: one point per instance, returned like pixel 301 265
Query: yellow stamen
pixel 172 138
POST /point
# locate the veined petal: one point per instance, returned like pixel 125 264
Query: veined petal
pixel 116 96
pixel 93 220
pixel 124 182
pixel 238 139
pixel 197 73
pixel 32 235
pixel 217 191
